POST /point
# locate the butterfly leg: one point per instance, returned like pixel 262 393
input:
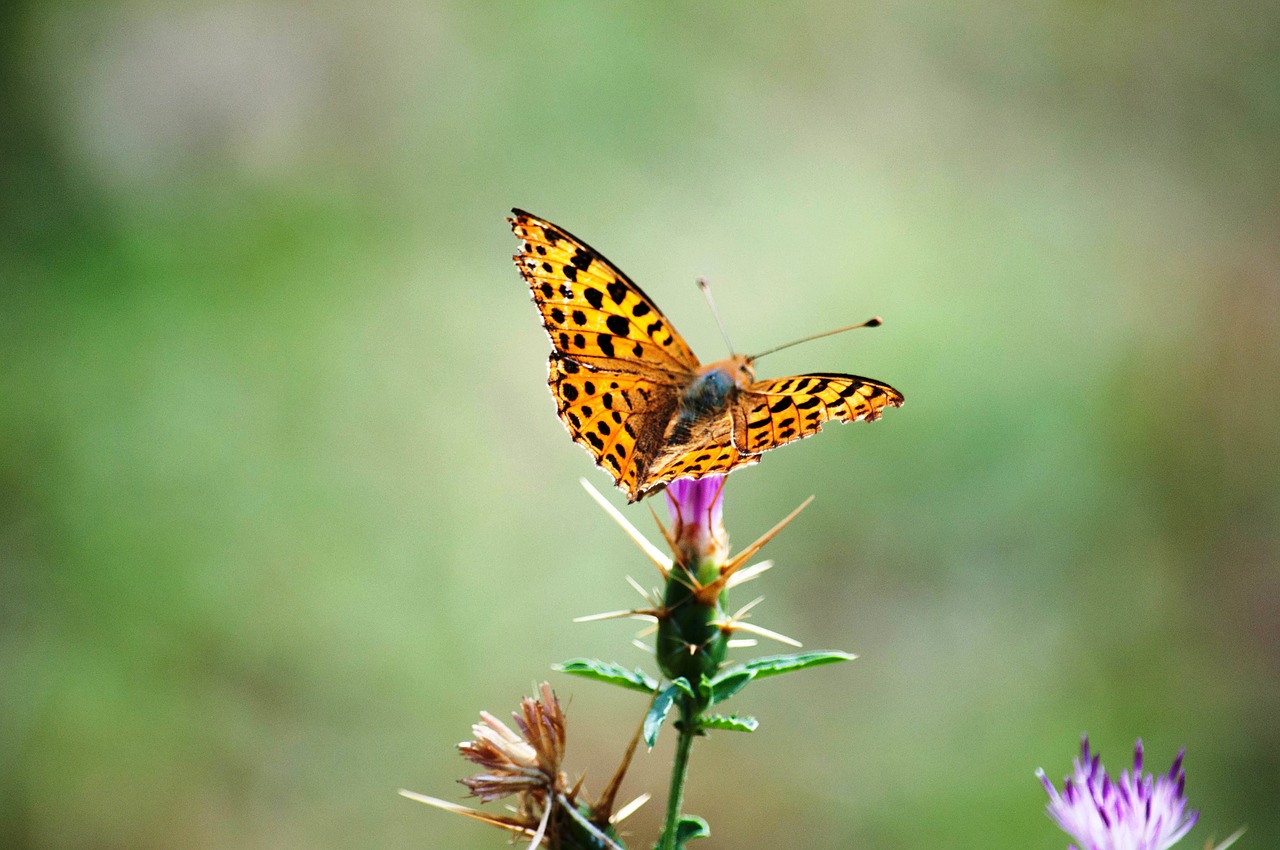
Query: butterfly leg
pixel 738 415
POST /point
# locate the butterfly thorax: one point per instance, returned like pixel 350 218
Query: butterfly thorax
pixel 713 387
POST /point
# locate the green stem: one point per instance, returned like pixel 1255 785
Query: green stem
pixel 675 797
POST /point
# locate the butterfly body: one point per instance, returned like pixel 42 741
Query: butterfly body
pixel 631 392
pixel 713 386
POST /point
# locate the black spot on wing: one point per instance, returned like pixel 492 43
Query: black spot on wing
pixel 618 324
pixel 594 297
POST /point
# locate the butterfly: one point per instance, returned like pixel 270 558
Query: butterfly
pixel 633 394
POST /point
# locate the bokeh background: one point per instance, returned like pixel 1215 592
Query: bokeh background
pixel 284 503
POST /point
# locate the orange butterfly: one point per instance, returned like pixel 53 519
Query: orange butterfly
pixel 632 393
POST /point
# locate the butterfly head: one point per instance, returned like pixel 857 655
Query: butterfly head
pixel 736 370
pixel 744 369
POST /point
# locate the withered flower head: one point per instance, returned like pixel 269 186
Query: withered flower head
pixel 527 763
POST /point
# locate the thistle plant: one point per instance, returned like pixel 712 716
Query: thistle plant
pixel 632 393
pixel 692 630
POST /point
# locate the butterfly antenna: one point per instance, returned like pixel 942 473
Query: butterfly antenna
pixel 706 290
pixel 873 322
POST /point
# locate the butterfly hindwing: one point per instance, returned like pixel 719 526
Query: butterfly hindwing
pixel 709 450
pixel 617 417
pixel 779 411
pixel 592 311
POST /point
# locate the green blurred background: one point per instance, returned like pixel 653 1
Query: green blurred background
pixel 284 502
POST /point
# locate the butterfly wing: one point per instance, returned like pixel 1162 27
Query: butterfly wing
pixel 617 365
pixel 618 417
pixel 708 450
pixel 779 411
pixel 593 312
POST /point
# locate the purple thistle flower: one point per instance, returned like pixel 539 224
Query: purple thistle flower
pixel 1137 812
pixel 697 519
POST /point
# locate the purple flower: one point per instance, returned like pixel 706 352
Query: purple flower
pixel 697 514
pixel 1137 812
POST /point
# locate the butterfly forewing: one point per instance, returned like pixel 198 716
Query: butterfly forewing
pixel 779 411
pixel 591 310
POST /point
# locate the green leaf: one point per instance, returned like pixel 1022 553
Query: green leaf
pixel 773 665
pixel 727 683
pixel 732 722
pixel 689 828
pixel 682 683
pixel 658 714
pixel 609 673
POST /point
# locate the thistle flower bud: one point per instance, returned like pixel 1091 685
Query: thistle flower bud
pixel 691 643
pixel 697 523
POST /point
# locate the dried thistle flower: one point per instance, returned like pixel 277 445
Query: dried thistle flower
pixel 527 764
